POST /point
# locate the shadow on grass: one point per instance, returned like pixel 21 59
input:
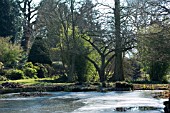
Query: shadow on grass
pixel 59 80
pixel 46 81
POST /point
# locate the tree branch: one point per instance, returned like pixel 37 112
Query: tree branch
pixel 97 49
pixel 94 63
pixel 109 60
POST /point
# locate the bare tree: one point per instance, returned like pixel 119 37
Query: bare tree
pixel 29 12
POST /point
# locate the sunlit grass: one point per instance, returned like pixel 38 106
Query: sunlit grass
pixel 39 81
pixel 27 81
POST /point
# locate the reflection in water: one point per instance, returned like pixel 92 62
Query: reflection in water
pixel 84 102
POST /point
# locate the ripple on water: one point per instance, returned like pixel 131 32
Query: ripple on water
pixel 127 102
pixel 84 102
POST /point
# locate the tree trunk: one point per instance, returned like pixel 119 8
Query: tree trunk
pixel 26 38
pixel 73 53
pixel 102 70
pixel 118 70
pixel 29 12
pixel 101 75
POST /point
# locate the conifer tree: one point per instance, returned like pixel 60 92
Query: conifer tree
pixel 9 19
pixel 39 52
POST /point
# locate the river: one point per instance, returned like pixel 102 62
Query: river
pixel 84 102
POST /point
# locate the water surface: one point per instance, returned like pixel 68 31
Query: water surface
pixel 84 102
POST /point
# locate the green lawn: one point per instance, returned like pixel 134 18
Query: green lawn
pixel 39 81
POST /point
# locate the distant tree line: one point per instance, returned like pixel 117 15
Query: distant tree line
pixel 80 41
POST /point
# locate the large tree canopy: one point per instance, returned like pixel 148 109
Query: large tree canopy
pixel 9 18
pixel 154 49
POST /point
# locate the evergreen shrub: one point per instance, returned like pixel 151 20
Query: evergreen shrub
pixel 30 72
pixel 15 74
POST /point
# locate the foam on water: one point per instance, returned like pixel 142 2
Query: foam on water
pixel 128 101
pixel 85 102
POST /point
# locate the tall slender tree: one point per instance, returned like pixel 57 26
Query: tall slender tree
pixel 118 70
pixel 28 10
pixel 64 33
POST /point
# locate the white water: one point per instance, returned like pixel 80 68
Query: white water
pixel 85 102
pixel 109 102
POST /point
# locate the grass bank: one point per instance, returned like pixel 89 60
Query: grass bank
pixel 49 84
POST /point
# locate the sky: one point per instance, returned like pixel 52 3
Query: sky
pixel 107 2
pixel 36 1
pixel 102 1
